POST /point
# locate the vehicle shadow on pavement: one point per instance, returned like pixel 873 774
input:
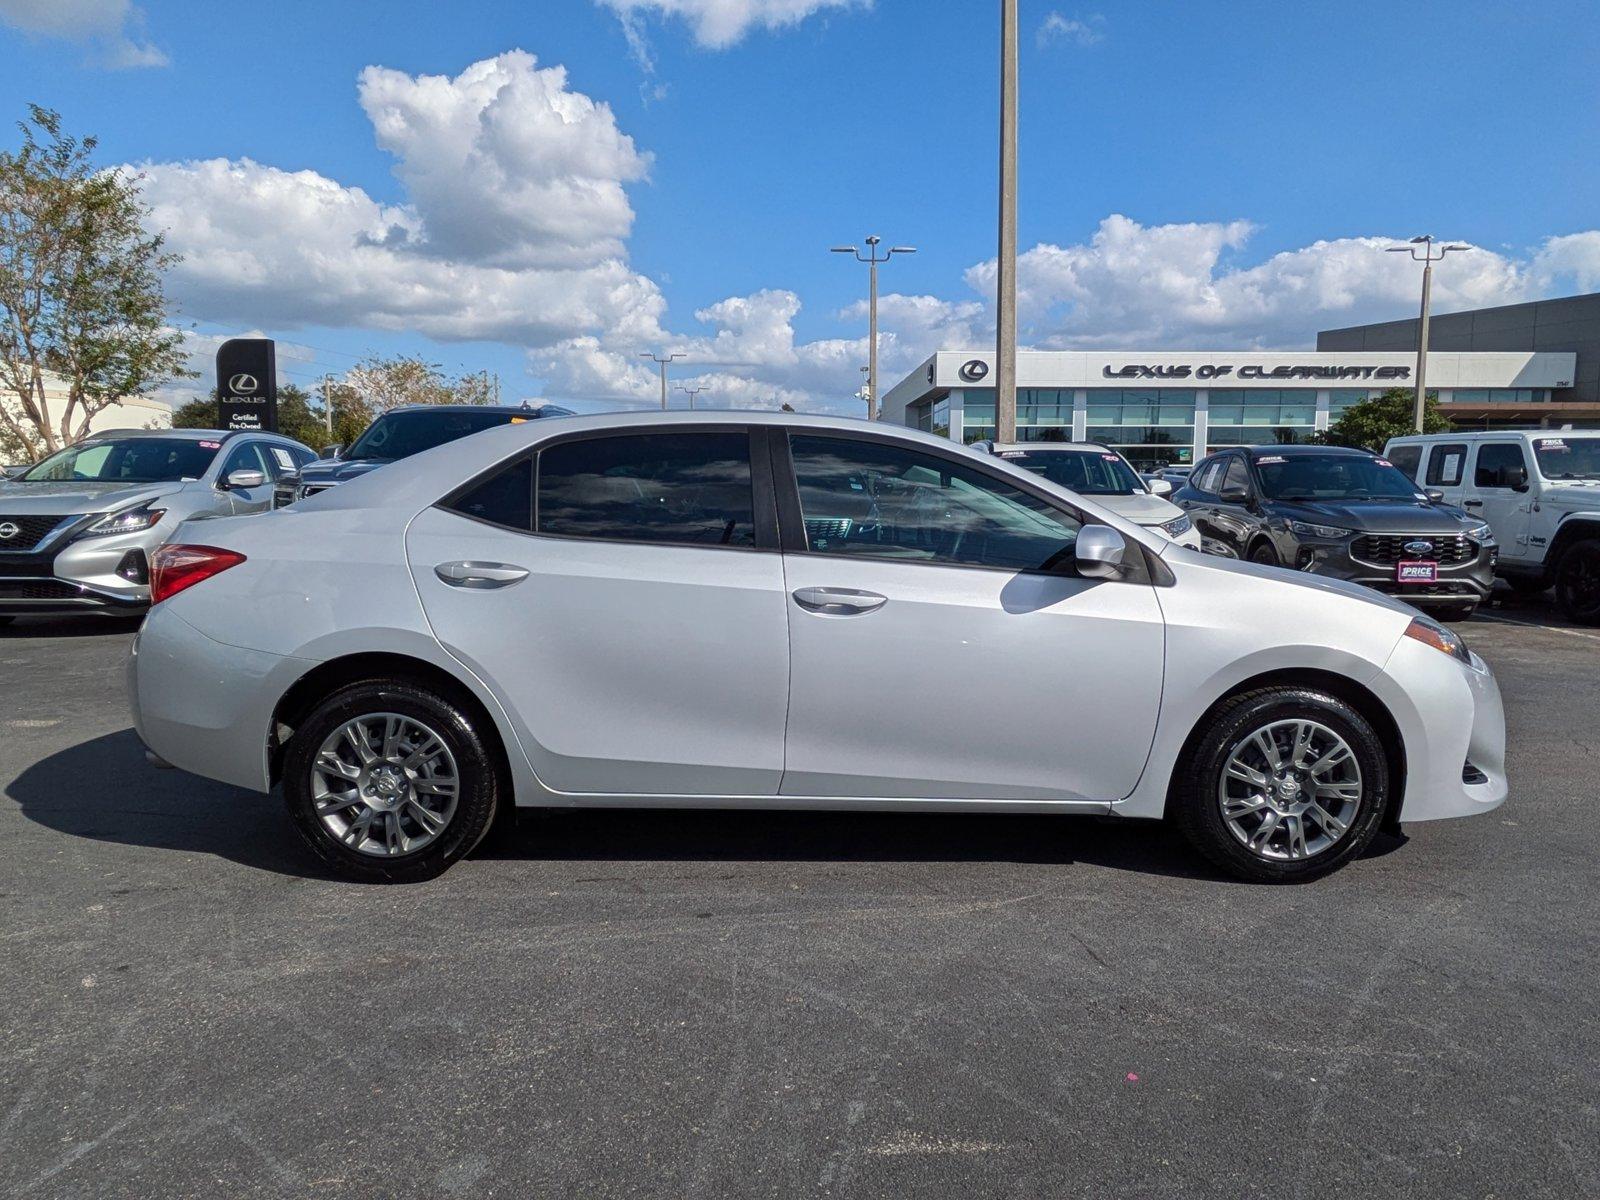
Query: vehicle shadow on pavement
pixel 105 790
pixel 71 626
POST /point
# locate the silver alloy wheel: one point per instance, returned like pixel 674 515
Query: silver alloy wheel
pixel 1290 790
pixel 384 784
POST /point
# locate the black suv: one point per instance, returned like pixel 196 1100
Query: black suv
pixel 1343 513
pixel 400 433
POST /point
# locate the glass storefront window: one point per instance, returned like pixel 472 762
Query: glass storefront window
pixel 1340 399
pixel 1261 416
pixel 1150 426
pixel 1500 396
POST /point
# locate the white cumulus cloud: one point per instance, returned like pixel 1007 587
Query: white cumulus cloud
pixel 718 24
pixel 113 28
pixel 1078 31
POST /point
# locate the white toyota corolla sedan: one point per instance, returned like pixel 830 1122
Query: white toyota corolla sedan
pixel 766 610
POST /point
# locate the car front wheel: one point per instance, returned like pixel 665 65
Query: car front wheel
pixel 1578 583
pixel 389 782
pixel 1282 785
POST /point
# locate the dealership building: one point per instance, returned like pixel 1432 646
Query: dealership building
pixel 1176 406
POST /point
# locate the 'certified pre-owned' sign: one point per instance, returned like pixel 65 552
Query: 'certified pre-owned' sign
pixel 1250 371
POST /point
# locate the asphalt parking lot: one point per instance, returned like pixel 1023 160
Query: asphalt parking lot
pixel 612 1003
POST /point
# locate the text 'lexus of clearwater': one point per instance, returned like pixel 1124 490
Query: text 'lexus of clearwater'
pixel 756 610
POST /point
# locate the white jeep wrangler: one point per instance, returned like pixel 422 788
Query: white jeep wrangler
pixel 1538 489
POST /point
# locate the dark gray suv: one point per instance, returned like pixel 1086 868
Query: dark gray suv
pixel 1343 513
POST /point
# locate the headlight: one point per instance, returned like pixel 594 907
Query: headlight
pixel 1481 533
pixel 1177 526
pixel 127 520
pixel 1305 529
pixel 1430 633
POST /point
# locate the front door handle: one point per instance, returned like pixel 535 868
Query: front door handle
pixel 838 602
pixel 480 575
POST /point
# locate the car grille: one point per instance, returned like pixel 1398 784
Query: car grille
pixel 1386 549
pixel 38 589
pixel 310 489
pixel 30 530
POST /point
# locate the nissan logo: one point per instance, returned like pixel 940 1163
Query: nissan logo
pixel 9 530
pixel 1418 547
pixel 243 384
pixel 973 370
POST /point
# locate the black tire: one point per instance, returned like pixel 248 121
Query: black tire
pixel 477 792
pixel 1578 583
pixel 1527 585
pixel 1266 554
pixel 1196 809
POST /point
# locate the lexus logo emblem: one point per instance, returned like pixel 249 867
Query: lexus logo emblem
pixel 243 384
pixel 1418 547
pixel 9 530
pixel 973 370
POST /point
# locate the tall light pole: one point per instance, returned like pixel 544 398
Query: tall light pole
pixel 872 259
pixel 690 392
pixel 663 361
pixel 1427 258
pixel 1005 365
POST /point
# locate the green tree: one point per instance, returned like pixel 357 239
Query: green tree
pixel 297 418
pixel 387 383
pixel 80 289
pixel 1368 424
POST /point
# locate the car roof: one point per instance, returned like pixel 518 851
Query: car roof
pixel 186 434
pixel 525 409
pixel 1299 451
pixel 1071 447
pixel 1478 435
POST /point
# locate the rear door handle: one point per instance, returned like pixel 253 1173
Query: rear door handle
pixel 480 575
pixel 1472 504
pixel 838 602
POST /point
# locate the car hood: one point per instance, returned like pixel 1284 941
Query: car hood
pixel 1318 583
pixel 79 496
pixel 1141 508
pixel 1377 516
pixel 1572 495
pixel 338 470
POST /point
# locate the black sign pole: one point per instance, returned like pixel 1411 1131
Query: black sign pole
pixel 247 384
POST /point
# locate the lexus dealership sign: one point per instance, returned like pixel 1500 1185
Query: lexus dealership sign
pixel 247 384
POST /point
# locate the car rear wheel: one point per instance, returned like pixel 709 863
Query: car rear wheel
pixel 1282 785
pixel 1578 582
pixel 389 782
pixel 1263 553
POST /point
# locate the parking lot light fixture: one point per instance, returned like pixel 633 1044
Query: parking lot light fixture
pixel 1429 255
pixel 691 392
pixel 663 361
pixel 872 258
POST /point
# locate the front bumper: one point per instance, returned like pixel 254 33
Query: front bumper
pixel 108 574
pixel 1458 583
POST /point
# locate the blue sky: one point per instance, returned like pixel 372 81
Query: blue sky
pixel 1216 174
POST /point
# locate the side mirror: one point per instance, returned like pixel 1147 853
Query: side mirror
pixel 1160 487
pixel 332 451
pixel 1517 478
pixel 1435 496
pixel 1235 495
pixel 1099 552
pixel 244 479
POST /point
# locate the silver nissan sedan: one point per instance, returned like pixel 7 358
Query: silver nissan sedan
pixel 764 610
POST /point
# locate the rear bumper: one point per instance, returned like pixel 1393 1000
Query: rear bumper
pixel 204 706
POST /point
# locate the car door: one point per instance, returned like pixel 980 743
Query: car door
pixel 247 454
pixel 1198 497
pixel 1446 472
pixel 1499 494
pixel 942 644
pixel 628 610
pixel 1234 520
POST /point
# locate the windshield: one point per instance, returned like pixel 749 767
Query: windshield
pixel 125 460
pixel 1332 477
pixel 1087 472
pixel 402 434
pixel 1568 457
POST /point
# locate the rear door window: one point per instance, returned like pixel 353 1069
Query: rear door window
pixel 1408 459
pixel 683 488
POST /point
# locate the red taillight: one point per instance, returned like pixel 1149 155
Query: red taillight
pixel 175 567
